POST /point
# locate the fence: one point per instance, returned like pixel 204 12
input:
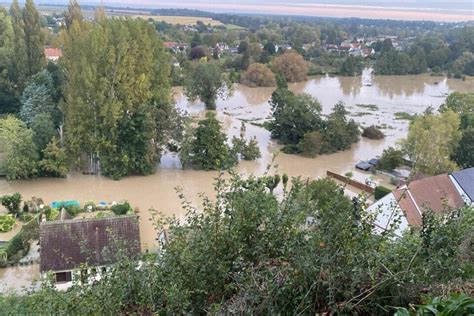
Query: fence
pixel 355 184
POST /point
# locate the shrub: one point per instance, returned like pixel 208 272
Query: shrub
pixel 90 206
pixel 251 151
pixel 121 209
pixel 72 210
pixel 7 222
pixel 258 75
pixel 391 159
pixel 12 203
pixel 292 66
pixel 456 304
pixel 381 191
pixel 25 217
pixel 372 132
pixel 290 149
pixel 310 145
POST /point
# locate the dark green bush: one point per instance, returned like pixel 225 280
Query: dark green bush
pixel 72 210
pixel 372 132
pixel 121 209
pixel 381 191
pixel 12 203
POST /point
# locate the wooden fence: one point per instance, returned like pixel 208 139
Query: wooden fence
pixel 349 181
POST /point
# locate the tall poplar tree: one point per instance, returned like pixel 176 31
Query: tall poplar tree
pixel 8 96
pixel 73 13
pixel 34 39
pixel 20 62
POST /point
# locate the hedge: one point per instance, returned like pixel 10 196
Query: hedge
pixel 381 191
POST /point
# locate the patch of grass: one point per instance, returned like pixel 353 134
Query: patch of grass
pixel 233 27
pixel 385 126
pixel 371 107
pixel 358 114
pixel 404 116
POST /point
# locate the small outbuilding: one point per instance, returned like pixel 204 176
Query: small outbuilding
pixel 66 246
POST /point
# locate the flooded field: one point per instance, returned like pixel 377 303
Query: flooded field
pixel 390 94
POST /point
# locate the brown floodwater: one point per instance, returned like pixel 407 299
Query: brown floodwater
pixel 412 94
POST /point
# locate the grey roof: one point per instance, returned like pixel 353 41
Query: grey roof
pixel 465 179
pixel 364 165
pixel 65 245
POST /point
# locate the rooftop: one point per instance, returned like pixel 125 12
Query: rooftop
pixel 436 193
pixel 65 245
pixel 51 52
pixel 465 179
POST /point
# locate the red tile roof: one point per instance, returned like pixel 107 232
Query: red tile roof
pixel 51 52
pixel 435 193
pixel 65 245
pixel 170 44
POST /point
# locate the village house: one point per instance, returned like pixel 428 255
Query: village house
pixel 408 203
pixel 52 54
pixel 67 247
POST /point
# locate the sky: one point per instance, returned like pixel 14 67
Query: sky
pixel 438 10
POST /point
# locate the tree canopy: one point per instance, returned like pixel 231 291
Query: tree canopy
pixel 432 139
pixel 206 81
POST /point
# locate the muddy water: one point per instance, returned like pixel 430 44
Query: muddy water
pixel 390 93
pixel 17 279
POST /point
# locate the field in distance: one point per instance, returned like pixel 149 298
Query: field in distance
pixel 183 20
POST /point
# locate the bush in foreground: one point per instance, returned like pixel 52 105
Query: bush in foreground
pixel 310 251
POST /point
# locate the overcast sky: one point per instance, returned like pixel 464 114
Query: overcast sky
pixel 457 10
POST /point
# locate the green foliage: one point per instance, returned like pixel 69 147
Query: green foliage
pixel 381 191
pixel 404 116
pixel 464 153
pixel 17 247
pixel 117 96
pixel 207 148
pixel 339 133
pixel 431 142
pixel 206 81
pixel 463 104
pixel 310 251
pixel 457 304
pixel 16 143
pixel 34 39
pixel 311 144
pixel 393 63
pixel 71 210
pixel 55 160
pixel 391 159
pixel 43 130
pixel 90 206
pixel 12 203
pixel 8 96
pixel 121 209
pixel 250 150
pixel 352 66
pixel 293 116
pixel 372 132
pixel 7 222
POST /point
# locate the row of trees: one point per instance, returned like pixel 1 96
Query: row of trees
pixel 298 124
pixel 431 52
pixel 311 251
